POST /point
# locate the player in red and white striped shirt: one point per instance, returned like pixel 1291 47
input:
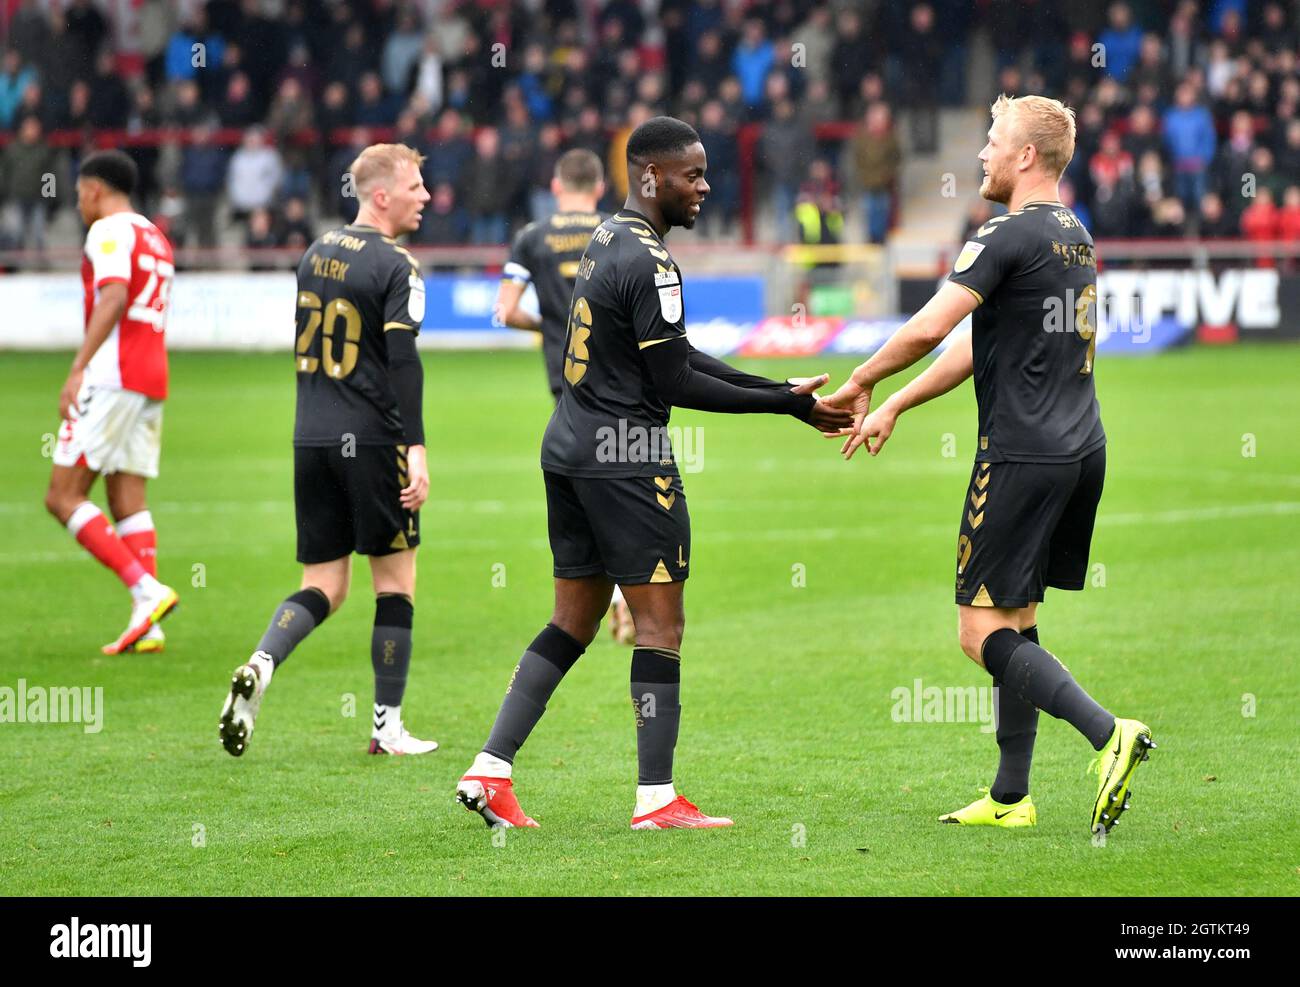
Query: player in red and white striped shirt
pixel 111 404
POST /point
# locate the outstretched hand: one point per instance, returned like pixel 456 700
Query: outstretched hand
pixel 826 419
pixel 878 425
pixel 855 400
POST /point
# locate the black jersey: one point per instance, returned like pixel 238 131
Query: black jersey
pixel 610 421
pixel 1034 272
pixel 546 254
pixel 354 286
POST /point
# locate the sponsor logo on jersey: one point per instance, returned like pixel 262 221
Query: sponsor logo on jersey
pixel 415 302
pixel 670 303
pixel 968 254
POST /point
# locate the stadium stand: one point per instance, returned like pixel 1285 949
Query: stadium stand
pixel 243 115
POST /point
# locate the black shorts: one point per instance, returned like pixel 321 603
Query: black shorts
pixel 347 504
pixel 1027 526
pixel 632 530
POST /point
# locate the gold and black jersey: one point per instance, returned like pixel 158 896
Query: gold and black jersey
pixel 355 285
pixel 627 297
pixel 1034 273
pixel 546 254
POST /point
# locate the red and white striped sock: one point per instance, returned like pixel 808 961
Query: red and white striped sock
pixel 137 533
pixel 89 526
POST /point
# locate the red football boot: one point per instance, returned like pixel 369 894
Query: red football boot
pixel 494 800
pixel 679 814
pixel 146 612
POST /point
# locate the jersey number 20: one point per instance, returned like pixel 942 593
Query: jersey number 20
pixel 326 318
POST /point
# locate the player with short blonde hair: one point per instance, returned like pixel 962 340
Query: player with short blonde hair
pixel 1046 124
pixel 1028 280
pixel 360 469
pixel 380 163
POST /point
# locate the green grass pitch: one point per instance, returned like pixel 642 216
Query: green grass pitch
pixel 819 589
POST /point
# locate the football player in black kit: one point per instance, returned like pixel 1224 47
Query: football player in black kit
pixel 360 473
pixel 1029 277
pixel 545 254
pixel 616 508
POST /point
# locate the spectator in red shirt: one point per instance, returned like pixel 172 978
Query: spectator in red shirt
pixel 1111 164
pixel 1288 217
pixel 1259 222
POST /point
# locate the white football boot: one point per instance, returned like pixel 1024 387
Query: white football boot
pixel 238 715
pixel 401 742
pixel 390 736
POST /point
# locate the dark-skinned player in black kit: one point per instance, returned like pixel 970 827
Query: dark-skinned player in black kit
pixel 619 515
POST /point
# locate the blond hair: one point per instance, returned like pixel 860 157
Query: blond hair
pixel 379 163
pixel 1048 124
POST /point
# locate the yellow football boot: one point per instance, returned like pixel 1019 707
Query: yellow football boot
pixel 1129 746
pixel 986 812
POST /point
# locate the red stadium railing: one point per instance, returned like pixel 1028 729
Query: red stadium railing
pixel 747 138
pixel 222 137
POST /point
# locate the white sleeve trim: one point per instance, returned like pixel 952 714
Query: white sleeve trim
pixel 516 272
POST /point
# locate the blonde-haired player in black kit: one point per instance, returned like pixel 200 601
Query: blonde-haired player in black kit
pixel 1029 277
pixel 360 471
pixel 545 254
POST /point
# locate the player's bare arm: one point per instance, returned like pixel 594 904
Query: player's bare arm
pixel 507 310
pixel 954 365
pixel 103 317
pixel 918 336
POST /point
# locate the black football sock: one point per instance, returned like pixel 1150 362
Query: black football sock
pixel 1037 676
pixel 552 653
pixel 656 694
pixel 390 649
pixel 1017 728
pixel 292 621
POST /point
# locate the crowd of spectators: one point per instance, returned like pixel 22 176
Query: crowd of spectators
pixel 1188 113
pixel 1191 127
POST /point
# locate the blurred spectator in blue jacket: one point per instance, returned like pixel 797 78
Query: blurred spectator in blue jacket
pixel 752 60
pixel 1189 136
pixel 14 78
pixel 1122 42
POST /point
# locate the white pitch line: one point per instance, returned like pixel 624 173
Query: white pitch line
pixel 1202 513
